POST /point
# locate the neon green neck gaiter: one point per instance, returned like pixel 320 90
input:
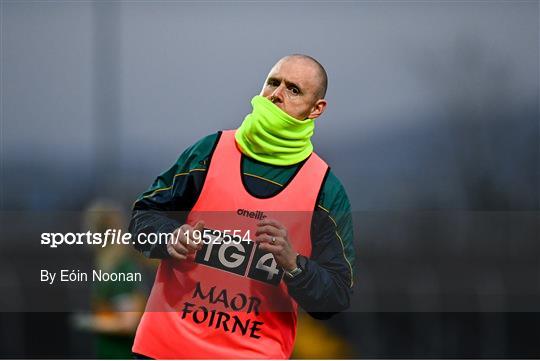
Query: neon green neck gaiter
pixel 271 136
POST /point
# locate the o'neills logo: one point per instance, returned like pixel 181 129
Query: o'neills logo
pixel 251 214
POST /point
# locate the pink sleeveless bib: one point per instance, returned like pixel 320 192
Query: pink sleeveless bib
pixel 228 301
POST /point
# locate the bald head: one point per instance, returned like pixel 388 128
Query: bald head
pixel 297 84
pixel 322 77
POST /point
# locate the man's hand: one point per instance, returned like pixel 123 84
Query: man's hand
pixel 272 237
pixel 181 243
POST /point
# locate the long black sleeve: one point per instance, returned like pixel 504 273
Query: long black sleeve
pixel 165 205
pixel 323 289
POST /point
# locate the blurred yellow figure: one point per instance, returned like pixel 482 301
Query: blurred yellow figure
pixel 315 341
pixel 117 306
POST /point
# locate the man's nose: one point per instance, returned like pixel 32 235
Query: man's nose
pixel 277 95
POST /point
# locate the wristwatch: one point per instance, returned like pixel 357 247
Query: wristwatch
pixel 300 266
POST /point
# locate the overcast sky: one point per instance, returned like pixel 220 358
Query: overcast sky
pixel 160 75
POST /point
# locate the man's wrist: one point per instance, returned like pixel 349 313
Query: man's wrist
pixel 292 265
pixel 298 268
pixel 159 250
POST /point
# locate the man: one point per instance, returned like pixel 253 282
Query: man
pixel 261 182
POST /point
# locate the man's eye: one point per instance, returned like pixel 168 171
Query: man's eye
pixel 294 90
pixel 273 83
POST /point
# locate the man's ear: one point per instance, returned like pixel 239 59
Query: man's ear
pixel 317 109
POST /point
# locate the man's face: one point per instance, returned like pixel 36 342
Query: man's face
pixel 293 86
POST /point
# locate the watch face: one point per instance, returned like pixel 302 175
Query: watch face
pixel 300 266
pixel 301 262
pixel 295 272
